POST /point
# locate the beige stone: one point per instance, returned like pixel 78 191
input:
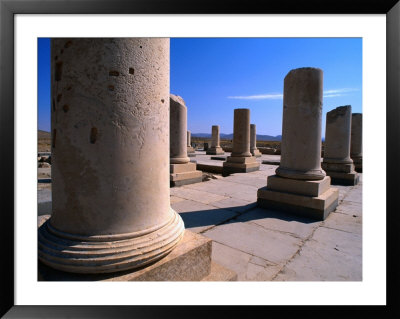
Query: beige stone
pixel 301 126
pixel 241 160
pixel 178 130
pixel 190 149
pixel 215 148
pixel 253 141
pixel 298 186
pixel 182 168
pixel 110 144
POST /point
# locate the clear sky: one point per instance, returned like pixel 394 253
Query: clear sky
pixel 216 75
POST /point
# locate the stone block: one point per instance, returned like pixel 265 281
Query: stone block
pixel 210 168
pixel 230 168
pixel 220 273
pixel 185 178
pixel 313 207
pixel 297 186
pixel 215 151
pixel 339 178
pixel 218 158
pixel 256 153
pixel 241 160
pixel 182 168
pixel 337 167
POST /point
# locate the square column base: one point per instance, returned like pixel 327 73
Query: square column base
pixel 346 179
pixel 215 151
pixel 184 174
pixel 256 153
pixel 292 198
pixel 190 260
pixel 240 165
pixel 358 164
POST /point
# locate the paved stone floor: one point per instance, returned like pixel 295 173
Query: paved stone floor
pixel 268 245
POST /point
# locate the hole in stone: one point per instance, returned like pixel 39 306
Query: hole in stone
pixel 111 87
pixel 54 138
pixel 131 70
pixel 59 97
pixel 67 44
pixel 58 71
pixel 56 57
pixel 162 100
pixel 62 51
pixel 65 108
pixel 69 88
pixel 93 135
pixel 113 73
pixel 54 105
pixel 140 46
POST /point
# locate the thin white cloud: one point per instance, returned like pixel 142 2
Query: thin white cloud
pixel 278 96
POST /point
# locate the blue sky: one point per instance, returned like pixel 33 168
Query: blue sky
pixel 216 75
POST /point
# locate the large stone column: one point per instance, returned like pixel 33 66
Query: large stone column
pixel 190 149
pixel 182 171
pixel 337 162
pixel 215 148
pixel 241 160
pixel 110 144
pixel 253 141
pixel 356 141
pixel 301 125
pixel 300 186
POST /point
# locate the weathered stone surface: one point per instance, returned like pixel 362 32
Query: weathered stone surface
pixel 311 207
pixel 110 128
pixel 356 141
pixel 301 126
pixel 241 133
pixel 253 141
pixel 215 148
pixel 178 130
pixel 298 186
pixel 182 168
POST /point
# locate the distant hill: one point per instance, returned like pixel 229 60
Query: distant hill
pixel 230 136
pixel 43 134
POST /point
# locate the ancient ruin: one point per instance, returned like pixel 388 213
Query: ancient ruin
pixel 190 150
pixel 356 141
pixel 241 160
pixel 337 162
pixel 300 185
pixel 215 148
pixel 110 138
pixel 253 141
pixel 182 171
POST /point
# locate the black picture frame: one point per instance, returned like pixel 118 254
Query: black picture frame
pixel 9 8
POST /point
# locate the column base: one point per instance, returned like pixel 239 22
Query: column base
pixel 190 151
pixel 215 151
pixel 311 199
pixel 189 261
pixel 240 165
pixel 341 174
pixel 184 174
pixel 358 164
pixel 107 253
pixel 255 153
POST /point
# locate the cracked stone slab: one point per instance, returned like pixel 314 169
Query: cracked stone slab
pixel 247 267
pixel 350 208
pixel 255 240
pixel 247 179
pixel 196 195
pixel 175 199
pixel 348 223
pixel 235 204
pixel 331 255
pixel 354 195
pixel 275 220
pixel 199 217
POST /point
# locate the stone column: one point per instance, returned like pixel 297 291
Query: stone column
pixel 215 147
pixel 300 186
pixel 110 145
pixel 241 160
pixel 337 162
pixel 181 170
pixel 178 130
pixel 356 141
pixel 190 149
pixel 301 127
pixel 253 141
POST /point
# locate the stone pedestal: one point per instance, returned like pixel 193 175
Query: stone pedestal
pixel 189 261
pixel 110 137
pixel 182 172
pixel 241 160
pixel 356 141
pixel 215 148
pixel 300 186
pixel 337 162
pixel 190 149
pixel 253 141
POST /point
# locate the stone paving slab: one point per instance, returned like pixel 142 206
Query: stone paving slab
pixel 196 195
pixel 331 255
